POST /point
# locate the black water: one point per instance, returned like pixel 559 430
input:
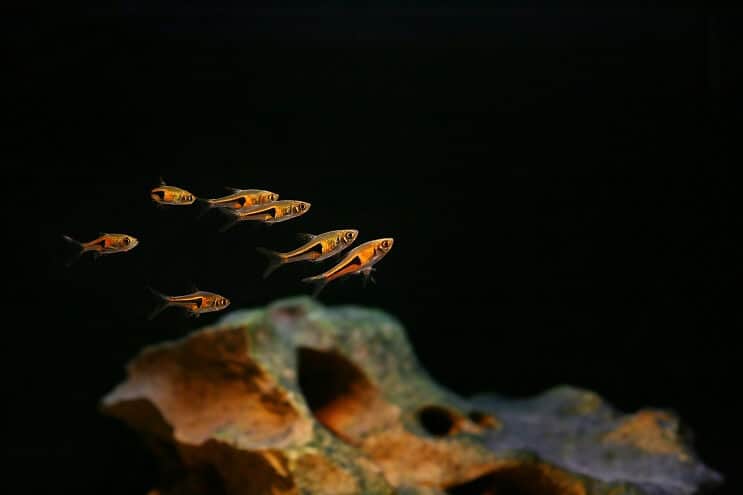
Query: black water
pixel 557 182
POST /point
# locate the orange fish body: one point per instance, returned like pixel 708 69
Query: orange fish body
pixel 318 248
pixel 243 198
pixel 360 260
pixel 195 304
pixel 171 195
pixel 104 244
pixel 270 213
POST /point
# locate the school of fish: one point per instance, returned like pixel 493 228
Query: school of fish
pixel 251 205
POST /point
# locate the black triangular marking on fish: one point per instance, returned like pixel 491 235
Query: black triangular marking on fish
pixel 355 261
pixel 102 243
pixel 317 248
pixel 241 200
pixel 161 194
pixel 271 212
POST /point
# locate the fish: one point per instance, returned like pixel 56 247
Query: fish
pixel 195 303
pixel 103 244
pixel 240 198
pixel 269 213
pixel 171 195
pixel 358 261
pixel 317 248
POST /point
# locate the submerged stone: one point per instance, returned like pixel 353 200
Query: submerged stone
pixel 298 398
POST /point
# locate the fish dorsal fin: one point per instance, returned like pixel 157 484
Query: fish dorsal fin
pixel 193 287
pixel 101 234
pixel 304 236
pixel 232 189
pixel 162 182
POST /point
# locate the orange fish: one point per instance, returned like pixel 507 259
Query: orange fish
pixel 171 195
pixel 242 198
pixel 195 303
pixel 103 244
pixel 273 212
pixel 359 261
pixel 318 248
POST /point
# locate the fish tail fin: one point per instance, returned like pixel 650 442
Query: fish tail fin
pixel 275 260
pixel 205 205
pixel 235 218
pixel 78 245
pixel 318 281
pixel 164 303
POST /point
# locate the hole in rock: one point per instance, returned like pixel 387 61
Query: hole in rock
pixel 338 393
pixel 437 420
pixel 528 479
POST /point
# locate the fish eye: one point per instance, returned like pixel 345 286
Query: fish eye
pixel 349 235
pixel 385 244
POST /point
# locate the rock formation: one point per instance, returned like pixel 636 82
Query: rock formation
pixel 298 398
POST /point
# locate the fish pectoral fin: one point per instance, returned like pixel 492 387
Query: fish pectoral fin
pixel 232 189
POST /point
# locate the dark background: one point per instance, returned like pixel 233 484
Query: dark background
pixel 556 181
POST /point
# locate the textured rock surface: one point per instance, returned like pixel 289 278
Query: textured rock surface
pixel 299 398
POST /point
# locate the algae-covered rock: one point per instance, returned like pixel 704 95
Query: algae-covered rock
pixel 300 398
